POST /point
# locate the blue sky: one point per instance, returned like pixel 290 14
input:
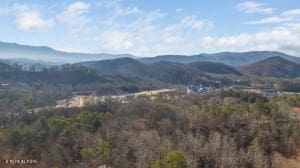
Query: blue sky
pixel 148 28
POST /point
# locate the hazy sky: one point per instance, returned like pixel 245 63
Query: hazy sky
pixel 153 27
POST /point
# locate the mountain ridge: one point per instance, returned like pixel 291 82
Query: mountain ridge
pixel 273 67
pixel 164 71
pixel 47 54
pixel 229 58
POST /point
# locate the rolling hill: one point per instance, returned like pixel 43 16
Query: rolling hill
pixel 127 66
pixel 273 67
pixel 229 58
pixel 163 71
pixel 4 67
pixel 22 54
pixel 214 68
pixel 72 76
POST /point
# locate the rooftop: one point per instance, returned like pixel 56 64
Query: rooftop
pixel 296 109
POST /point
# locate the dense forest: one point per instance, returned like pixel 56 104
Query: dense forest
pixel 223 129
pixel 126 75
pixel 46 85
pixel 226 128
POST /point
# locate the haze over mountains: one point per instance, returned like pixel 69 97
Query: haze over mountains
pixel 229 58
pixel 185 73
pixel 42 54
pixel 221 69
pixel 47 54
pixel 168 68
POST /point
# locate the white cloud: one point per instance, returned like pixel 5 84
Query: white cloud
pixel 291 13
pixel 107 3
pixel 254 7
pixel 20 7
pixel 115 41
pixel 4 11
pixel 17 8
pixel 195 23
pixel 272 19
pixel 28 17
pixel 145 36
pixel 127 11
pixel 117 9
pixel 286 16
pixel 32 21
pixel 190 23
pixel 286 39
pixel 179 10
pixel 148 34
pixel 146 20
pixel 74 14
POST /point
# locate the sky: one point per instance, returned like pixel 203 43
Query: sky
pixel 153 27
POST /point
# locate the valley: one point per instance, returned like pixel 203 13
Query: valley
pixel 149 84
pixel 128 112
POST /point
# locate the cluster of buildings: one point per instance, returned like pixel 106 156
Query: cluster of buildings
pixel 264 90
pixel 81 99
pixel 76 101
pixel 3 84
pixel 199 89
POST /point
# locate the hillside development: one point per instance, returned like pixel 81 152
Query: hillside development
pixel 231 128
pixel 124 113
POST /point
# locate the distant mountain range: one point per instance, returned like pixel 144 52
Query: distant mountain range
pixel 229 58
pixel 173 72
pixel 273 67
pixel 47 54
pixel 158 72
pixel 124 70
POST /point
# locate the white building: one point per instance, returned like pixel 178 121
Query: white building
pixel 199 89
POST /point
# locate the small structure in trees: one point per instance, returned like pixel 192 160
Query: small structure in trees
pixel 199 89
pixel 296 113
pixel 104 166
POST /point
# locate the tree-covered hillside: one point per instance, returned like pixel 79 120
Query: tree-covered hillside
pixel 173 73
pixel 225 129
pixel 273 67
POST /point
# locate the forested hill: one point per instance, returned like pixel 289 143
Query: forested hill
pixel 46 55
pixel 229 58
pixel 126 65
pixel 130 73
pixel 215 68
pixel 274 67
pixel 225 129
pixel 163 71
pixel 4 67
pixel 70 78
